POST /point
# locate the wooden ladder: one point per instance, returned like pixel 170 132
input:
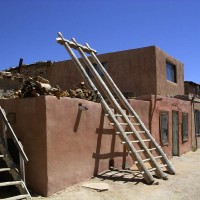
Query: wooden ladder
pixel 14 177
pixel 142 147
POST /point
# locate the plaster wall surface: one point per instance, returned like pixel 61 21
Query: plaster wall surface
pixel 161 103
pixel 141 71
pixel 164 86
pixel 66 145
pixel 28 120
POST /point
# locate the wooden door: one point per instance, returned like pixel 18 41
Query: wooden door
pixel 175 133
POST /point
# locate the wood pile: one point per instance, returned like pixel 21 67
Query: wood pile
pixel 34 87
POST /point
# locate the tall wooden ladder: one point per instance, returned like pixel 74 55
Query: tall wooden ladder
pixel 142 147
pixel 13 180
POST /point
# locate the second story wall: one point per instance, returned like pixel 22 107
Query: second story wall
pixel 170 74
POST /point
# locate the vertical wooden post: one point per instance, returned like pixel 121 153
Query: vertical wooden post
pixel 5 134
pixel 22 166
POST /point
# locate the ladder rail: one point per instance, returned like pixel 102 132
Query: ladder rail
pixel 116 105
pixel 136 156
pixel 14 137
pixel 131 111
pixel 14 173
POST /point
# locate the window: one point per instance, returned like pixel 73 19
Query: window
pixel 171 72
pixel 185 127
pixel 97 69
pixel 164 121
pixel 197 122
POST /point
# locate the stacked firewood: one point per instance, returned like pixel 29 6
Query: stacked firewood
pixel 34 87
pixel 82 92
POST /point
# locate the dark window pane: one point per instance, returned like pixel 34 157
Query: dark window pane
pixel 164 127
pixel 185 126
pixel 97 69
pixel 171 72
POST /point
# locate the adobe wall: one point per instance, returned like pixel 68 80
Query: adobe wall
pixel 80 144
pixel 165 87
pixel 161 103
pixel 66 146
pixel 132 70
pixel 29 124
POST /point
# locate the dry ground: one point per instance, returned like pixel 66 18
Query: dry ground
pixel 185 185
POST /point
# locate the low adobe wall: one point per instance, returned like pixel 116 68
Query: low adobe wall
pixel 65 145
pixel 28 120
pixel 80 144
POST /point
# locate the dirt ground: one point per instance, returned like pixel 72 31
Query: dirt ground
pixel 185 185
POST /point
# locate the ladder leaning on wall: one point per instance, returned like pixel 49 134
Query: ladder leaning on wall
pixel 7 165
pixel 142 147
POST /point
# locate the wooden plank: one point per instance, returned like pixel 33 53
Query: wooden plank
pixel 4 169
pixel 3 184
pixel 14 137
pixel 22 196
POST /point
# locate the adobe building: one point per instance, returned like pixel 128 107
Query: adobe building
pixel 68 145
pixel 141 71
pixel 192 92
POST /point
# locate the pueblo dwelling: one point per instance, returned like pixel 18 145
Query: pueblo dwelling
pixel 66 145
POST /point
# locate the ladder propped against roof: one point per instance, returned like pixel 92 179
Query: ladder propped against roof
pixel 12 176
pixel 139 143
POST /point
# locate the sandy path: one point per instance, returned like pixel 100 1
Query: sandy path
pixel 185 185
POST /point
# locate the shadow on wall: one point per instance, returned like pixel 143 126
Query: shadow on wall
pixel 112 154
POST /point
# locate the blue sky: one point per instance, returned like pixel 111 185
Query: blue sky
pixel 29 28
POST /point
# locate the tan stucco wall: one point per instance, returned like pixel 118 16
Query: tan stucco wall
pixel 165 87
pixel 66 146
pixel 30 128
pixel 161 103
pixel 141 71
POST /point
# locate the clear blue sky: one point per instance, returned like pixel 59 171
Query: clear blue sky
pixel 29 28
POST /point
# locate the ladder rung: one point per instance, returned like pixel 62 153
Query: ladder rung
pixel 158 157
pixel 4 169
pixel 116 115
pixel 10 183
pixel 145 160
pixel 22 196
pixel 133 141
pixel 125 132
pixel 153 169
pixel 124 123
pixel 141 131
pixel 130 116
pixel 119 115
pixel 136 124
pixel 121 123
pixel 141 150
pixel 147 140
pixel 152 149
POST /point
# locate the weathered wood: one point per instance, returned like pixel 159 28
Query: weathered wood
pixel 149 178
pixel 3 115
pixel 126 104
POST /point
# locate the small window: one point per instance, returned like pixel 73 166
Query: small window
pixel 171 72
pixel 185 127
pixel 164 122
pixel 197 122
pixel 97 69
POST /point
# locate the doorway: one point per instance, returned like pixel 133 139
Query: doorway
pixel 175 133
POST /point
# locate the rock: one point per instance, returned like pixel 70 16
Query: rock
pixel 97 186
